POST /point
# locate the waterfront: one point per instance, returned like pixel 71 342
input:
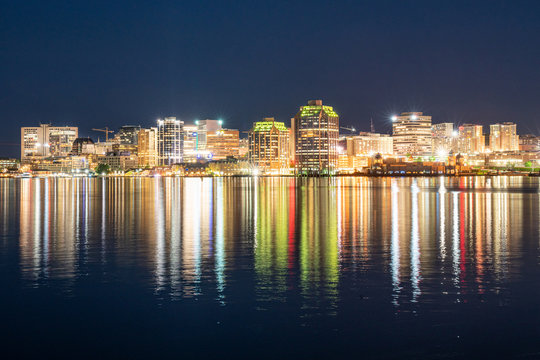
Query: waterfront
pixel 382 267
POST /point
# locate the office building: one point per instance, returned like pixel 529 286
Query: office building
pixel 471 139
pixel 366 143
pixel 46 140
pixel 148 147
pixel 443 138
pixel 203 128
pixel 503 137
pixel 83 146
pixel 191 142
pixel 412 134
pixel 170 141
pixel 269 146
pixel 223 143
pixel 316 132
pixel 529 142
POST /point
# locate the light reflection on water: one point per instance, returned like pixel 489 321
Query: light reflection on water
pixel 320 246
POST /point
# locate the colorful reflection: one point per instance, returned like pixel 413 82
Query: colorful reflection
pixel 280 240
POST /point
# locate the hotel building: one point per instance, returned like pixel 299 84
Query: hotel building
pixel 222 143
pixel 412 134
pixel 316 132
pixel 147 147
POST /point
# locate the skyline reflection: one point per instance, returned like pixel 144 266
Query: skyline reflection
pixel 301 241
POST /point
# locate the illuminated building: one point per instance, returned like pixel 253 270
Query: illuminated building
pixel 443 138
pixel 82 146
pixel 191 142
pixel 7 164
pixel 269 146
pixel 370 143
pixel 203 128
pixel 222 143
pixel 243 148
pixel 170 141
pixel 46 140
pixel 127 139
pixel 316 132
pixel 148 149
pixel 412 134
pixel 119 161
pixel 471 139
pixel 503 137
pixel 529 142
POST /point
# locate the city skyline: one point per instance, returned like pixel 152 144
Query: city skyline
pixel 218 62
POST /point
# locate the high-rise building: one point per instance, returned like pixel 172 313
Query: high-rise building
pixel 46 140
pixel 203 128
pixel 148 147
pixel 269 146
pixel 503 137
pixel 412 134
pixel 316 133
pixel 191 142
pixel 170 141
pixel 471 139
pixel 126 139
pixel 443 138
pixel 223 143
pixel 82 146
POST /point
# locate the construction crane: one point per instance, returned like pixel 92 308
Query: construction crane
pixel 351 129
pixel 106 131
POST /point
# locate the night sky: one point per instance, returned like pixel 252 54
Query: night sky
pixel 110 63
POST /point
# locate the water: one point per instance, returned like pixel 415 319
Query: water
pixel 261 268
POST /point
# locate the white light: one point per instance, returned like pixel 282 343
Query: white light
pixel 394 118
pixel 455 133
pixel 414 117
pixel 442 154
pixel 255 172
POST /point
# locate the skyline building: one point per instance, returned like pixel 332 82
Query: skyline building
pixel 147 147
pixel 269 146
pixel 367 143
pixel 471 139
pixel 412 134
pixel 170 141
pixel 191 142
pixel 443 138
pixel 47 140
pixel 203 128
pixel 223 143
pixel 503 137
pixel 316 133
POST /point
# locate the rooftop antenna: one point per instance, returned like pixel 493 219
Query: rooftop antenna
pixel 372 126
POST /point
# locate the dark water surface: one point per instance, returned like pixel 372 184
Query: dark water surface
pixel 271 267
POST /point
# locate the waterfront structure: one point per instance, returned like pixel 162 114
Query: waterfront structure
pixel 222 143
pixel 82 146
pixel 503 137
pixel 46 140
pixel 316 132
pixel 170 141
pixel 119 161
pixel 147 147
pixel 471 139
pixel 66 165
pixel 412 134
pixel 8 164
pixel 269 146
pixel 443 139
pixel 529 142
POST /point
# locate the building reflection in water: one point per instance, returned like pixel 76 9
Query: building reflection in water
pixel 304 241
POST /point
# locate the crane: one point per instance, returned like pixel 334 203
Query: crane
pixel 351 129
pixel 106 131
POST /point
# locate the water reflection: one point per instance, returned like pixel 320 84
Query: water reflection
pixel 308 242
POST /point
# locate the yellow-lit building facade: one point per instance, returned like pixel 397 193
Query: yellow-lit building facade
pixel 269 146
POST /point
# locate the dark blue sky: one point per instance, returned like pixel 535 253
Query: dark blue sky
pixel 98 63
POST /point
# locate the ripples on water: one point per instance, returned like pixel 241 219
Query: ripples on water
pixel 389 267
